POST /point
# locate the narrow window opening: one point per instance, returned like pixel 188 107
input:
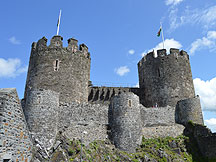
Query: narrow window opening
pixel 159 73
pixel 129 103
pixel 56 65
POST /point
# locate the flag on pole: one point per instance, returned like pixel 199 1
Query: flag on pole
pixel 159 32
pixel 58 23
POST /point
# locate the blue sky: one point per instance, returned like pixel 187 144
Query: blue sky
pixel 118 33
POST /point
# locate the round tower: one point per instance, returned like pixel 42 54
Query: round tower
pixel 165 79
pixel 41 115
pixel 189 110
pixel 126 121
pixel 62 69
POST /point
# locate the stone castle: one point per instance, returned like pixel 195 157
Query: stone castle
pixel 59 97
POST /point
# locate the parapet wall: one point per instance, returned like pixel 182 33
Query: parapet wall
pixel 104 94
pixel 165 79
pixel 157 116
pixel 189 110
pixel 62 69
pixel 75 118
pixel 15 143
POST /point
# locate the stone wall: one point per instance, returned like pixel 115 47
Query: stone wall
pixel 103 95
pixel 156 116
pixel 165 79
pixel 163 131
pixel 15 143
pixel 75 118
pixel 189 109
pixel 41 111
pixel 125 121
pixel 62 69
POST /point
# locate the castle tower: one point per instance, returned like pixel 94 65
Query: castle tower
pixel 41 111
pixel 62 69
pixel 165 79
pixel 125 121
pixel 189 110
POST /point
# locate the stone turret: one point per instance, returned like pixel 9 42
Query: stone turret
pixel 41 111
pixel 126 121
pixel 62 69
pixel 165 79
pixel 189 110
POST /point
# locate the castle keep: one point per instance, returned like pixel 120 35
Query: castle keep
pixel 59 98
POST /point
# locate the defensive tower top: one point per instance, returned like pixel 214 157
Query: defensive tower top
pixel 62 69
pixel 57 44
pixel 165 78
pixel 161 53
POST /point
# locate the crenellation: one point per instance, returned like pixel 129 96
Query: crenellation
pixel 174 50
pixel 104 94
pixel 149 56
pixel 184 53
pixel 72 45
pixel 42 43
pixel 56 42
pixel 84 49
pixel 34 45
pixel 161 53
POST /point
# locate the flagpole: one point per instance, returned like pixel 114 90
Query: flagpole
pixel 162 35
pixel 58 24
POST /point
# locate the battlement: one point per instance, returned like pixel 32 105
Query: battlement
pixel 104 94
pixel 56 43
pixel 57 68
pixel 162 53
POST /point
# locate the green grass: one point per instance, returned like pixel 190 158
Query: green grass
pixel 150 148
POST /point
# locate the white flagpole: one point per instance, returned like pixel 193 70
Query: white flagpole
pixel 58 23
pixel 162 34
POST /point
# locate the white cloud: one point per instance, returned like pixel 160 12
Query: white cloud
pixel 211 123
pixel 121 71
pixel 131 52
pixel 211 35
pixel 173 2
pixel 205 42
pixel 13 40
pixel 206 18
pixel 207 92
pixel 168 43
pixel 11 68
